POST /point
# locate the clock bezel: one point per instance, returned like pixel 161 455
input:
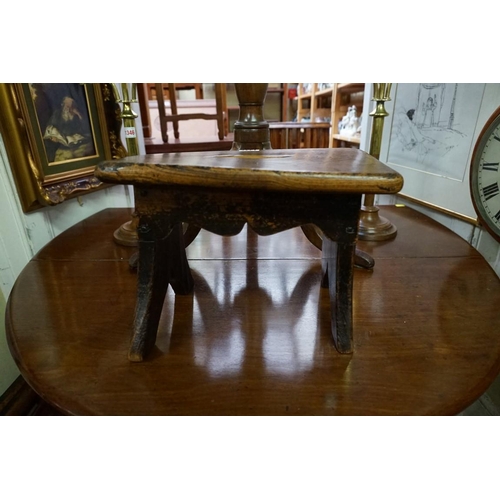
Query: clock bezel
pixel 490 125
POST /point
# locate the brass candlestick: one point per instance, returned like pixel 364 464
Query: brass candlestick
pixel 126 234
pixel 372 226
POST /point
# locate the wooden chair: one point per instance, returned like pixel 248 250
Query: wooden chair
pixel 175 117
pixel 197 87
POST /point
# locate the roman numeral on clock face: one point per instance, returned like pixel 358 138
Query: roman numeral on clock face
pixel 490 191
pixel 497 216
pixel 496 137
pixel 491 166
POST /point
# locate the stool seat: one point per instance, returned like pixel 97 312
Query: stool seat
pixel 320 170
pixel 271 190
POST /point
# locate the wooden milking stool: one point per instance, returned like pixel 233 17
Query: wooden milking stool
pixel 271 190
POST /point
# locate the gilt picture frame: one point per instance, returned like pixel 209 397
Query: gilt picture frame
pixel 54 136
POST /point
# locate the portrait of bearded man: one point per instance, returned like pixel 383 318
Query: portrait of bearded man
pixel 71 131
pixel 62 112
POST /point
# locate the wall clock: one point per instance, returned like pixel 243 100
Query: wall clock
pixel 485 176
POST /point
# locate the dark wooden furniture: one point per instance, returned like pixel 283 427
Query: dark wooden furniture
pixel 283 135
pixel 182 145
pixel 19 399
pixel 317 189
pixel 271 190
pixel 254 338
pixel 293 135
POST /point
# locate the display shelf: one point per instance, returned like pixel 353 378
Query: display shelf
pixel 324 92
pixel 313 102
pixel 344 138
pixel 345 95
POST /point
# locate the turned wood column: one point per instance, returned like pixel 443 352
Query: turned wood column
pixel 251 130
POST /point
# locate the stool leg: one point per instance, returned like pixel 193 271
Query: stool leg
pixel 181 279
pixel 152 284
pixel 162 260
pixel 338 273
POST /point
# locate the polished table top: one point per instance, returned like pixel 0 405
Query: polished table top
pixel 254 339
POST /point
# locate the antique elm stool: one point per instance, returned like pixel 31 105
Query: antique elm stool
pixel 271 190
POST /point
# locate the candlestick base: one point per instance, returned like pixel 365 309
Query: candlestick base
pixel 374 227
pixel 126 234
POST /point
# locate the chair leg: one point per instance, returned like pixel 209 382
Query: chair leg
pixel 173 107
pixel 224 110
pixel 161 111
pixel 219 106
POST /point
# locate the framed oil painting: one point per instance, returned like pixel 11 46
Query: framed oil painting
pixel 55 134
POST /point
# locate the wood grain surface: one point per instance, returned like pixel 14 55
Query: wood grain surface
pixel 254 337
pixel 320 170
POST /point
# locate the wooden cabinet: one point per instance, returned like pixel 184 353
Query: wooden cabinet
pixel 293 135
pixel 314 102
pixel 345 95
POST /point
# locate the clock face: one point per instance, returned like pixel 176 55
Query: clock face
pixel 485 175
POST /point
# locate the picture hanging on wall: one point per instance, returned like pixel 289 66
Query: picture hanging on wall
pixel 433 127
pixel 432 132
pixel 54 135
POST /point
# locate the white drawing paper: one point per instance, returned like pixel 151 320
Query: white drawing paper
pixel 433 127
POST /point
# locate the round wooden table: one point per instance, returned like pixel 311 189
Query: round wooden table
pixel 254 338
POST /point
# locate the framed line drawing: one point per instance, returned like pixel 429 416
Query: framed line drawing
pixel 54 135
pixel 429 137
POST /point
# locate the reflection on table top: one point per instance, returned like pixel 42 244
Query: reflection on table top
pixel 254 338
